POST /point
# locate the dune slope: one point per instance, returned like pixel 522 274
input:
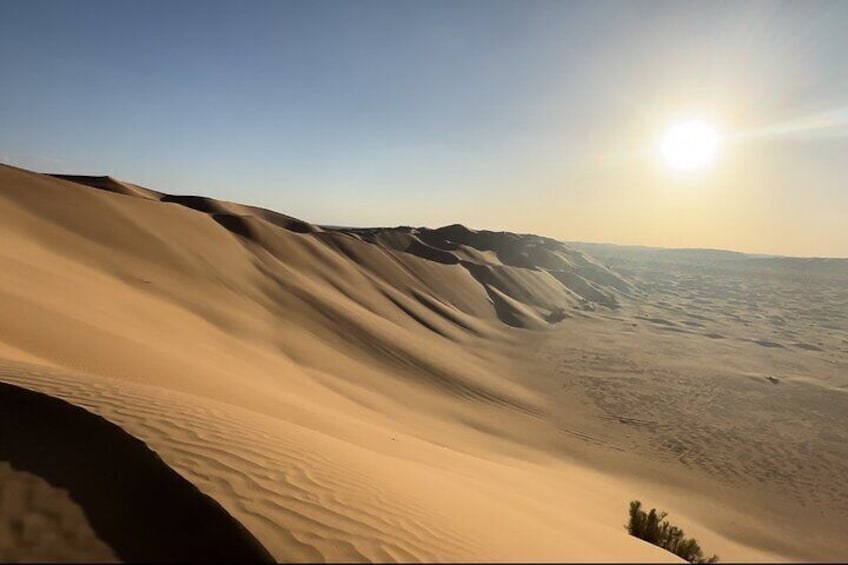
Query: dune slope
pixel 138 506
pixel 331 392
pixel 344 393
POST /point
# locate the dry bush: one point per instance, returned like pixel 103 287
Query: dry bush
pixel 654 528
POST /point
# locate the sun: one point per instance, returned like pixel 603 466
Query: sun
pixel 689 145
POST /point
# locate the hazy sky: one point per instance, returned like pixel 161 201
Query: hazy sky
pixel 526 116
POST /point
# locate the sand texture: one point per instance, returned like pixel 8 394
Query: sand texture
pixel 296 392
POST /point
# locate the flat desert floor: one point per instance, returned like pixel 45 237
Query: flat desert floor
pixel 276 390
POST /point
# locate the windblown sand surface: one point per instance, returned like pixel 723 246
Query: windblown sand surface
pixel 75 474
pixel 407 394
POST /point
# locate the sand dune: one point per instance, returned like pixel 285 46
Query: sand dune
pixel 134 503
pixel 400 394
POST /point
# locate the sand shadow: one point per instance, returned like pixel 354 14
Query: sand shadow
pixel 135 503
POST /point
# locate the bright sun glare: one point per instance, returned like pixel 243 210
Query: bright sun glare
pixel 689 145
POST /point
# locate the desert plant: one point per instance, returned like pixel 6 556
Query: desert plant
pixel 556 315
pixel 654 528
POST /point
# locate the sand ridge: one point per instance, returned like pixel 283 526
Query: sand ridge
pixel 391 394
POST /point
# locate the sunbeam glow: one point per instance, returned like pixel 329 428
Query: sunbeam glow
pixel 828 124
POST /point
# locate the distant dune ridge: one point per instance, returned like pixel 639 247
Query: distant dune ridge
pixel 406 394
pixel 540 273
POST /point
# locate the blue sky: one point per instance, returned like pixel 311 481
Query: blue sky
pixel 527 116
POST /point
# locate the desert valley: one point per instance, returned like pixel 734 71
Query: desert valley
pixel 278 390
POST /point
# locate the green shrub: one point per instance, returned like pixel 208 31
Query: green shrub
pixel 654 528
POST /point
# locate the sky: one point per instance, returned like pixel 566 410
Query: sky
pixel 527 116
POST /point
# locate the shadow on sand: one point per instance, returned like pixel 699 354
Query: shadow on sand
pixel 134 502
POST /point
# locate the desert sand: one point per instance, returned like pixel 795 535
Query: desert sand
pixel 320 393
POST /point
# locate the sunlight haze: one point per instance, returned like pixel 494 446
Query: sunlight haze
pixel 537 117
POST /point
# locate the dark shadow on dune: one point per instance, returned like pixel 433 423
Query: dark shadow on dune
pixel 504 310
pixel 217 208
pixel 283 221
pixel 134 502
pixel 199 203
pixel 101 182
pixel 239 225
pixel 110 185
pixel 431 253
pixel 573 270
